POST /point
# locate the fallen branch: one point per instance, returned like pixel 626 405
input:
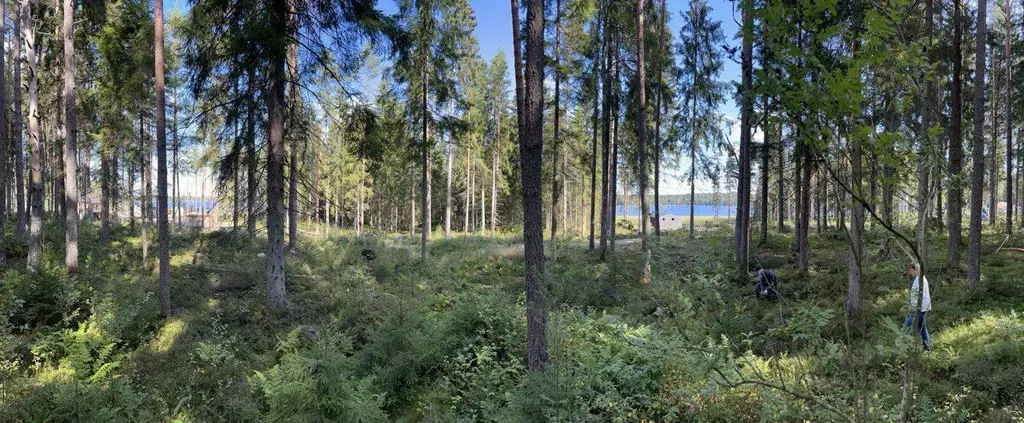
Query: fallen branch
pixel 1004 243
pixel 786 390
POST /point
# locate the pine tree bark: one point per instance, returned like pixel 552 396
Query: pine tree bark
pixel 425 168
pixel 530 156
pixel 163 228
pixel 19 149
pixel 35 246
pixel 658 105
pixel 1007 83
pixel 70 142
pixel 145 188
pixel 293 136
pixel 746 113
pixel 765 163
pixel 853 274
pixel 466 198
pixel 613 180
pixel 412 205
pixel 993 160
pixel 805 208
pixel 556 144
pixel 781 169
pixel 105 194
pixel 4 135
pixel 595 125
pixel 923 167
pixel 854 268
pixel 977 154
pixel 642 144
pixel 176 205
pixel 494 176
pixel 250 173
pixel 276 300
pixel 605 133
pixel 448 151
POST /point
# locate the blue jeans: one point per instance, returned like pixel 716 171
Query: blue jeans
pixel 924 328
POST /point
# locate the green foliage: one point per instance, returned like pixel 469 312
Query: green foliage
pixel 444 340
pixel 47 297
pixel 315 382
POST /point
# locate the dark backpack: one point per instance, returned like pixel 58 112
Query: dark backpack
pixel 767 287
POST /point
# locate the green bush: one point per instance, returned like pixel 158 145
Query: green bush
pixel 401 351
pixel 72 401
pixel 316 381
pixel 45 298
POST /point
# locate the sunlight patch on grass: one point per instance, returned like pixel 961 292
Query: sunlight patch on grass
pixel 50 374
pixel 895 298
pixel 168 335
pixel 182 259
pixel 984 335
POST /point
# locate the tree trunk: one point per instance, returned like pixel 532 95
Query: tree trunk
pixel 693 177
pixel 805 208
pixel 1007 82
pixel 853 275
pixel 115 195
pixel 469 188
pixel 924 170
pixel 202 198
pixel 4 137
pixel 765 158
pixel 144 201
pixel 641 141
pixel 448 188
pixel 494 177
pixel 854 265
pixel 596 123
pixel 471 192
pixel 658 105
pixel 19 126
pixel 105 194
pixel 412 206
pixel 35 246
pixel 425 209
pixel 483 208
pixel 361 198
pixel 978 155
pixel 531 155
pixel 746 113
pixel 781 181
pixel 605 134
pixel 993 166
pixel 177 181
pixel 798 187
pixel 556 144
pixel 276 300
pixel 131 194
pixel 70 142
pixel 614 170
pixel 163 229
pixel 293 161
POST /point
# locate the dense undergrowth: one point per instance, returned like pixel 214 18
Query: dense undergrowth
pixel 399 339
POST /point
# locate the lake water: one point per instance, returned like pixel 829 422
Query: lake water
pixel 682 210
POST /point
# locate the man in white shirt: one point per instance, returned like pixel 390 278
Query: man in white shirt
pixel 926 303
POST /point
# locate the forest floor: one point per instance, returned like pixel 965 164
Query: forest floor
pixel 398 338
